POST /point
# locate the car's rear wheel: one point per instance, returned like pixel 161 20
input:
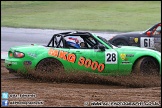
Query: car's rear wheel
pixel 146 66
pixel 120 42
pixel 50 65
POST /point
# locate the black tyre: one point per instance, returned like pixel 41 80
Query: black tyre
pixel 120 42
pixel 50 65
pixel 146 66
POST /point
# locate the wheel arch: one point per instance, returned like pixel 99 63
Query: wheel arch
pixel 48 58
pixel 123 38
pixel 157 62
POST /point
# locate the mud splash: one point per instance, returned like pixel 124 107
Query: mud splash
pixel 133 80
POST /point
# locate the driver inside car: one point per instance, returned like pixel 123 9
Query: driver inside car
pixel 72 42
pixel 82 45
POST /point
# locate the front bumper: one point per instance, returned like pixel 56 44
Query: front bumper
pixel 14 65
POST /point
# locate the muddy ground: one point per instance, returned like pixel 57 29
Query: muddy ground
pixel 101 91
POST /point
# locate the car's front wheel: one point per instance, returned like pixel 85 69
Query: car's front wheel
pixel 146 66
pixel 50 65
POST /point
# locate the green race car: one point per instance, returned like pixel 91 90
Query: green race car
pixel 83 51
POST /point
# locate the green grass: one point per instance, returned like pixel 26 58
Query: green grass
pixel 81 15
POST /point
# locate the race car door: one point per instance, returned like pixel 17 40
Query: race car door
pixel 94 60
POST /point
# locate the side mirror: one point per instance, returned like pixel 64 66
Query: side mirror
pixel 148 33
pixel 101 47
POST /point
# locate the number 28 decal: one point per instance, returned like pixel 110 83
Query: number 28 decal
pixel 111 57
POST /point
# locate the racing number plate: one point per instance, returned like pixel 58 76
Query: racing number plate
pixel 111 57
pixel 147 42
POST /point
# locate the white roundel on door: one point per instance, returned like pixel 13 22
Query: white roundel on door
pixel 147 42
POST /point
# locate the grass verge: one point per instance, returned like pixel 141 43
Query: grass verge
pixel 81 15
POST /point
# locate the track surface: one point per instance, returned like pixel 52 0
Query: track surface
pixel 75 94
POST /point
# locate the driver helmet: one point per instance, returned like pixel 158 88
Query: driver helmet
pixel 73 42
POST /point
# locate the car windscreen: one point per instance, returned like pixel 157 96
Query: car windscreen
pixel 105 40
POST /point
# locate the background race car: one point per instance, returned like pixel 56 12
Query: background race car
pixel 86 52
pixel 150 38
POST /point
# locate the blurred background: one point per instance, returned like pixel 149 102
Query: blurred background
pixel 120 16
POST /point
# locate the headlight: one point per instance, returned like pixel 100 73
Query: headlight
pixel 19 54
